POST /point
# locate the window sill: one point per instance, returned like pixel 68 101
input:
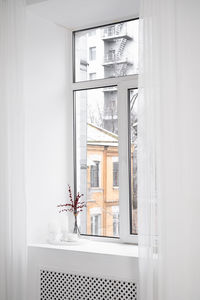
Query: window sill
pixel 115 187
pixel 96 247
pixel 96 190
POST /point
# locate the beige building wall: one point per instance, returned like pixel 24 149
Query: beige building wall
pixel 105 196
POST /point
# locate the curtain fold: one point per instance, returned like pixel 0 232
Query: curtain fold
pixel 12 177
pixel 169 147
pixel 148 152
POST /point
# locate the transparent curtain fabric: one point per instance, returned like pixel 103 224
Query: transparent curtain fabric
pixel 169 143
pixel 12 183
pixel 148 136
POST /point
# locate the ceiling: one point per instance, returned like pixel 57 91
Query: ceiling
pixel 76 14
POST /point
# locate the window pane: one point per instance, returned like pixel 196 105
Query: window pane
pixel 92 76
pixel 133 117
pixel 94 174
pixel 115 210
pixel 96 225
pixel 97 169
pixel 108 51
pixel 116 174
pixel 92 53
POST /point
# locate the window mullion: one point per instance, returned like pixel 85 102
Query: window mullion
pixel 123 163
pixel 124 188
pixel 101 83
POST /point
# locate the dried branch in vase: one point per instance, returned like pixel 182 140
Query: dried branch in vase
pixel 74 205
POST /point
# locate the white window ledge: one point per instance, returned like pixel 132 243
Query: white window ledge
pixel 97 247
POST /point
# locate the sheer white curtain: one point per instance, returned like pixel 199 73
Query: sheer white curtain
pixel 12 194
pixel 169 143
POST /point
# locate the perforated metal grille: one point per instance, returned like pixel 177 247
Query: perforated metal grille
pixel 62 286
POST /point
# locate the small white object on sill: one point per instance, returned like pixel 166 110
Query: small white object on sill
pixel 54 232
pixel 70 237
pixel 58 231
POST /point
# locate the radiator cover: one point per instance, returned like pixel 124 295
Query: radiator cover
pixel 64 286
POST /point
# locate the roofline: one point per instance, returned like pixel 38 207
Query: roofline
pixel 113 135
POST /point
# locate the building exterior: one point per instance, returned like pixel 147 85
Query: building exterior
pixel 112 53
pixel 102 182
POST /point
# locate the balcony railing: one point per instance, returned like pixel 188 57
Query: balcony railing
pixel 110 58
pixel 115 31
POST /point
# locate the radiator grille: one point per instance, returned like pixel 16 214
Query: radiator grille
pixel 62 286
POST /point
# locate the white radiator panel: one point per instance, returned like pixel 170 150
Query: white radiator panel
pixel 64 286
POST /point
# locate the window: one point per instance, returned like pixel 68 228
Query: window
pixel 96 144
pixel 110 56
pixel 92 53
pixel 105 121
pixel 92 76
pixel 115 211
pixel 116 174
pixel 115 225
pixel 94 174
pixel 116 46
pixel 83 69
pixel 96 225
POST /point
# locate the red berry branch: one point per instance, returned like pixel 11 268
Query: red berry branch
pixel 75 206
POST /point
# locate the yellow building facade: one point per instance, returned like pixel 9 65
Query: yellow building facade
pixel 103 189
pixel 103 184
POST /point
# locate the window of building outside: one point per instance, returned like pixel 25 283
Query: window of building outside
pixel 92 53
pixel 96 225
pixel 94 174
pixel 115 224
pixel 92 76
pixel 116 174
pixel 102 53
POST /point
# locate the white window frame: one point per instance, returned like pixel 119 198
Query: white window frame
pixel 123 85
pixel 124 160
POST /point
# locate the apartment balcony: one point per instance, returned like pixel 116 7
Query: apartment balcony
pixel 118 31
pixel 112 59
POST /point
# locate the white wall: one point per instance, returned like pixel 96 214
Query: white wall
pixel 48 122
pixel 49 163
